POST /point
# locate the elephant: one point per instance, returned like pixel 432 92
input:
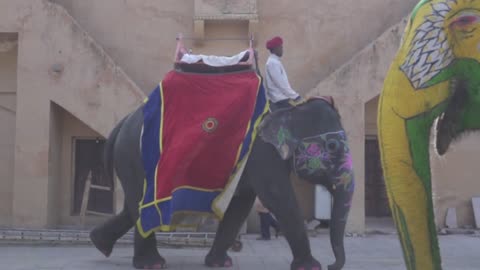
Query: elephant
pixel 432 83
pixel 313 144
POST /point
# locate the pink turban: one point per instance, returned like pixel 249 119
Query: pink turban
pixel 274 42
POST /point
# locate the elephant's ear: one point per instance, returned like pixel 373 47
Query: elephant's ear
pixel 277 129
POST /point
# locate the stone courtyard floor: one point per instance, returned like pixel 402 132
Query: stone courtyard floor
pixel 372 252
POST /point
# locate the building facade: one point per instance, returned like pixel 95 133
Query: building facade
pixel 70 70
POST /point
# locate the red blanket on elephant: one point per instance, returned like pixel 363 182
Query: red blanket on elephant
pixel 198 131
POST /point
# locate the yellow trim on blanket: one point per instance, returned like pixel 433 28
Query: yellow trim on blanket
pixel 155 202
pixel 140 206
pixel 161 150
pixel 161 119
pixel 162 106
pixel 217 211
pixel 170 197
pixel 197 188
pixel 163 228
pixel 168 228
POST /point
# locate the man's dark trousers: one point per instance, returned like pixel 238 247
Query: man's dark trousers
pixel 267 220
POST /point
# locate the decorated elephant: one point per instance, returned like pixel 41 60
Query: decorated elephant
pixel 434 81
pixel 307 139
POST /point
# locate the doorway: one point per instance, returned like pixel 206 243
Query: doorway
pixel 8 101
pixel 88 157
pixel 376 200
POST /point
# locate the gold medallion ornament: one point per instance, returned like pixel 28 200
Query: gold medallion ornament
pixel 210 125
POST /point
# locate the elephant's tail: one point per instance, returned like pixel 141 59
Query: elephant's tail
pixel 108 151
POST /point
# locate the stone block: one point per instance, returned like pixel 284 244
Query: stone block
pixel 451 219
pixel 476 210
pixel 312 225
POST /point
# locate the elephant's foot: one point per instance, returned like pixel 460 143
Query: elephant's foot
pixel 218 261
pixel 149 262
pixel 103 245
pixel 311 264
pixel 336 266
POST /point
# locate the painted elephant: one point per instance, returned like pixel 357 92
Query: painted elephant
pixel 434 81
pixel 308 139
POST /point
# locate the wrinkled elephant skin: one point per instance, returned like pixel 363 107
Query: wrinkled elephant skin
pixel 316 134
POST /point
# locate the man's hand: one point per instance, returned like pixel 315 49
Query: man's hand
pixel 297 101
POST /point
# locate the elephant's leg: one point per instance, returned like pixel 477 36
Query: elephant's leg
pixel 229 228
pixel 272 183
pixel 105 235
pixel 130 171
pixel 146 255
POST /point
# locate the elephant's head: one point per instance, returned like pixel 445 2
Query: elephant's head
pixel 434 81
pixel 312 137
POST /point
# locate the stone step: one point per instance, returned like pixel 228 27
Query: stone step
pixel 191 239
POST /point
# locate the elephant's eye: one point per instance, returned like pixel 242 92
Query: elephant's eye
pixel 332 145
pixel 464 21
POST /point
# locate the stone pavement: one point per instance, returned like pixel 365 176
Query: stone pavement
pixel 372 252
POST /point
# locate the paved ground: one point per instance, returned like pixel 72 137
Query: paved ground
pixel 373 252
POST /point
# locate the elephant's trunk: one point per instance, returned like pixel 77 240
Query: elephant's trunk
pixel 404 147
pixel 342 199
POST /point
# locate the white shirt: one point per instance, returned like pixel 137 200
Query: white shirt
pixel 276 81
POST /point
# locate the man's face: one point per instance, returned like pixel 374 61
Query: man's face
pixel 278 50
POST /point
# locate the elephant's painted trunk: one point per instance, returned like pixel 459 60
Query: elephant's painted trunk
pixel 404 147
pixel 342 195
pixel 434 75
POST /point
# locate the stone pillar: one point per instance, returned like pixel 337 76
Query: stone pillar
pixel 31 188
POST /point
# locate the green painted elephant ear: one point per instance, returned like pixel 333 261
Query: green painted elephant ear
pixel 276 129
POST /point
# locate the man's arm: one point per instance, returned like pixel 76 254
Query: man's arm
pixel 280 80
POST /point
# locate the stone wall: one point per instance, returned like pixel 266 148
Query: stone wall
pixel 319 35
pixel 76 60
pixel 353 85
pixel 8 100
pixel 57 63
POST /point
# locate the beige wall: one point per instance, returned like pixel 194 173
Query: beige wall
pixel 352 86
pixel 456 181
pixel 60 64
pixel 356 87
pixel 319 35
pixel 57 62
pixel 54 165
pixel 8 89
pixel 65 128
pixel 72 128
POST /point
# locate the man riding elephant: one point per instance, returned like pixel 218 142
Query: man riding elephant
pixel 279 91
pixel 308 140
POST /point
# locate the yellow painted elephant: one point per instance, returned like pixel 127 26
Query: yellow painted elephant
pixel 434 81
